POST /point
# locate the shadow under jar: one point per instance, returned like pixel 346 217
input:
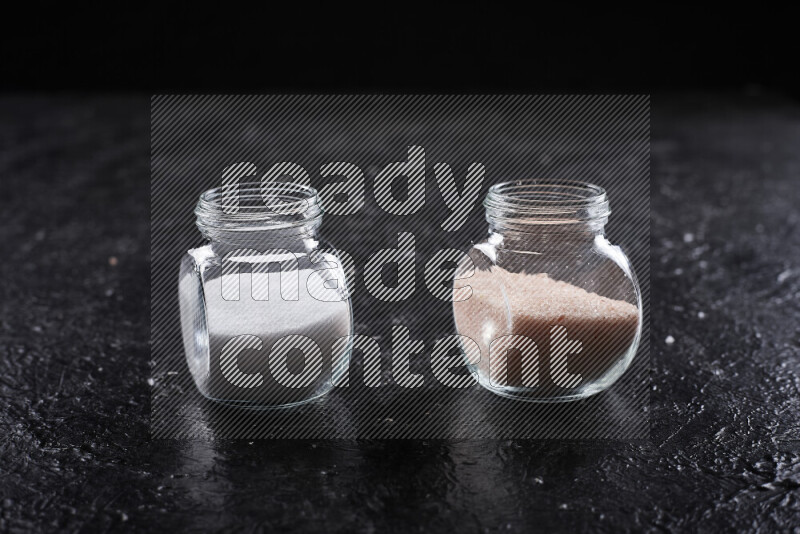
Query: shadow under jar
pixel 265 311
pixel 554 308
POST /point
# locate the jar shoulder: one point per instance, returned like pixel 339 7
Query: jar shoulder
pixel 210 255
pixel 321 271
pixel 494 251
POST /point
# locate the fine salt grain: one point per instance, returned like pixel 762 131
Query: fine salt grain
pixel 531 305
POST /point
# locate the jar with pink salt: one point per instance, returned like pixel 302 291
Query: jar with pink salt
pixel 549 310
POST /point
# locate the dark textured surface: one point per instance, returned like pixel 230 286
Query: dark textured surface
pixel 74 329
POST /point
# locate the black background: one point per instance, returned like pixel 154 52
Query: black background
pixel 181 47
pixel 723 453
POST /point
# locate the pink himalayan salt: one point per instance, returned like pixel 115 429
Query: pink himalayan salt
pixel 605 327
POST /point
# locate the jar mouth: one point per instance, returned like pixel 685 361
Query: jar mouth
pixel 252 207
pixel 546 202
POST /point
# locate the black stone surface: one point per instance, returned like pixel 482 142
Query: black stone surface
pixel 724 452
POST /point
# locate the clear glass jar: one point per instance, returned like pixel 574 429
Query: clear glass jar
pixel 265 310
pixel 554 308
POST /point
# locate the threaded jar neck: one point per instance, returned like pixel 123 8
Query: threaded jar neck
pixel 246 211
pixel 546 206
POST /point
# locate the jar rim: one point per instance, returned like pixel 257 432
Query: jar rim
pixel 535 201
pixel 255 206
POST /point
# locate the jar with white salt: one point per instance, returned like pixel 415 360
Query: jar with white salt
pixel 265 311
pixel 549 309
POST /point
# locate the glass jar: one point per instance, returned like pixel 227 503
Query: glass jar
pixel 554 308
pixel 265 311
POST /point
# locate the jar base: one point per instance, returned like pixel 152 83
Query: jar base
pixel 255 406
pixel 525 395
pixel 546 396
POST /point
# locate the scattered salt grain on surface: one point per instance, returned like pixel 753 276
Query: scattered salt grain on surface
pixel 784 275
pixel 151 382
pixel 701 315
pixel 670 340
pixel 688 237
